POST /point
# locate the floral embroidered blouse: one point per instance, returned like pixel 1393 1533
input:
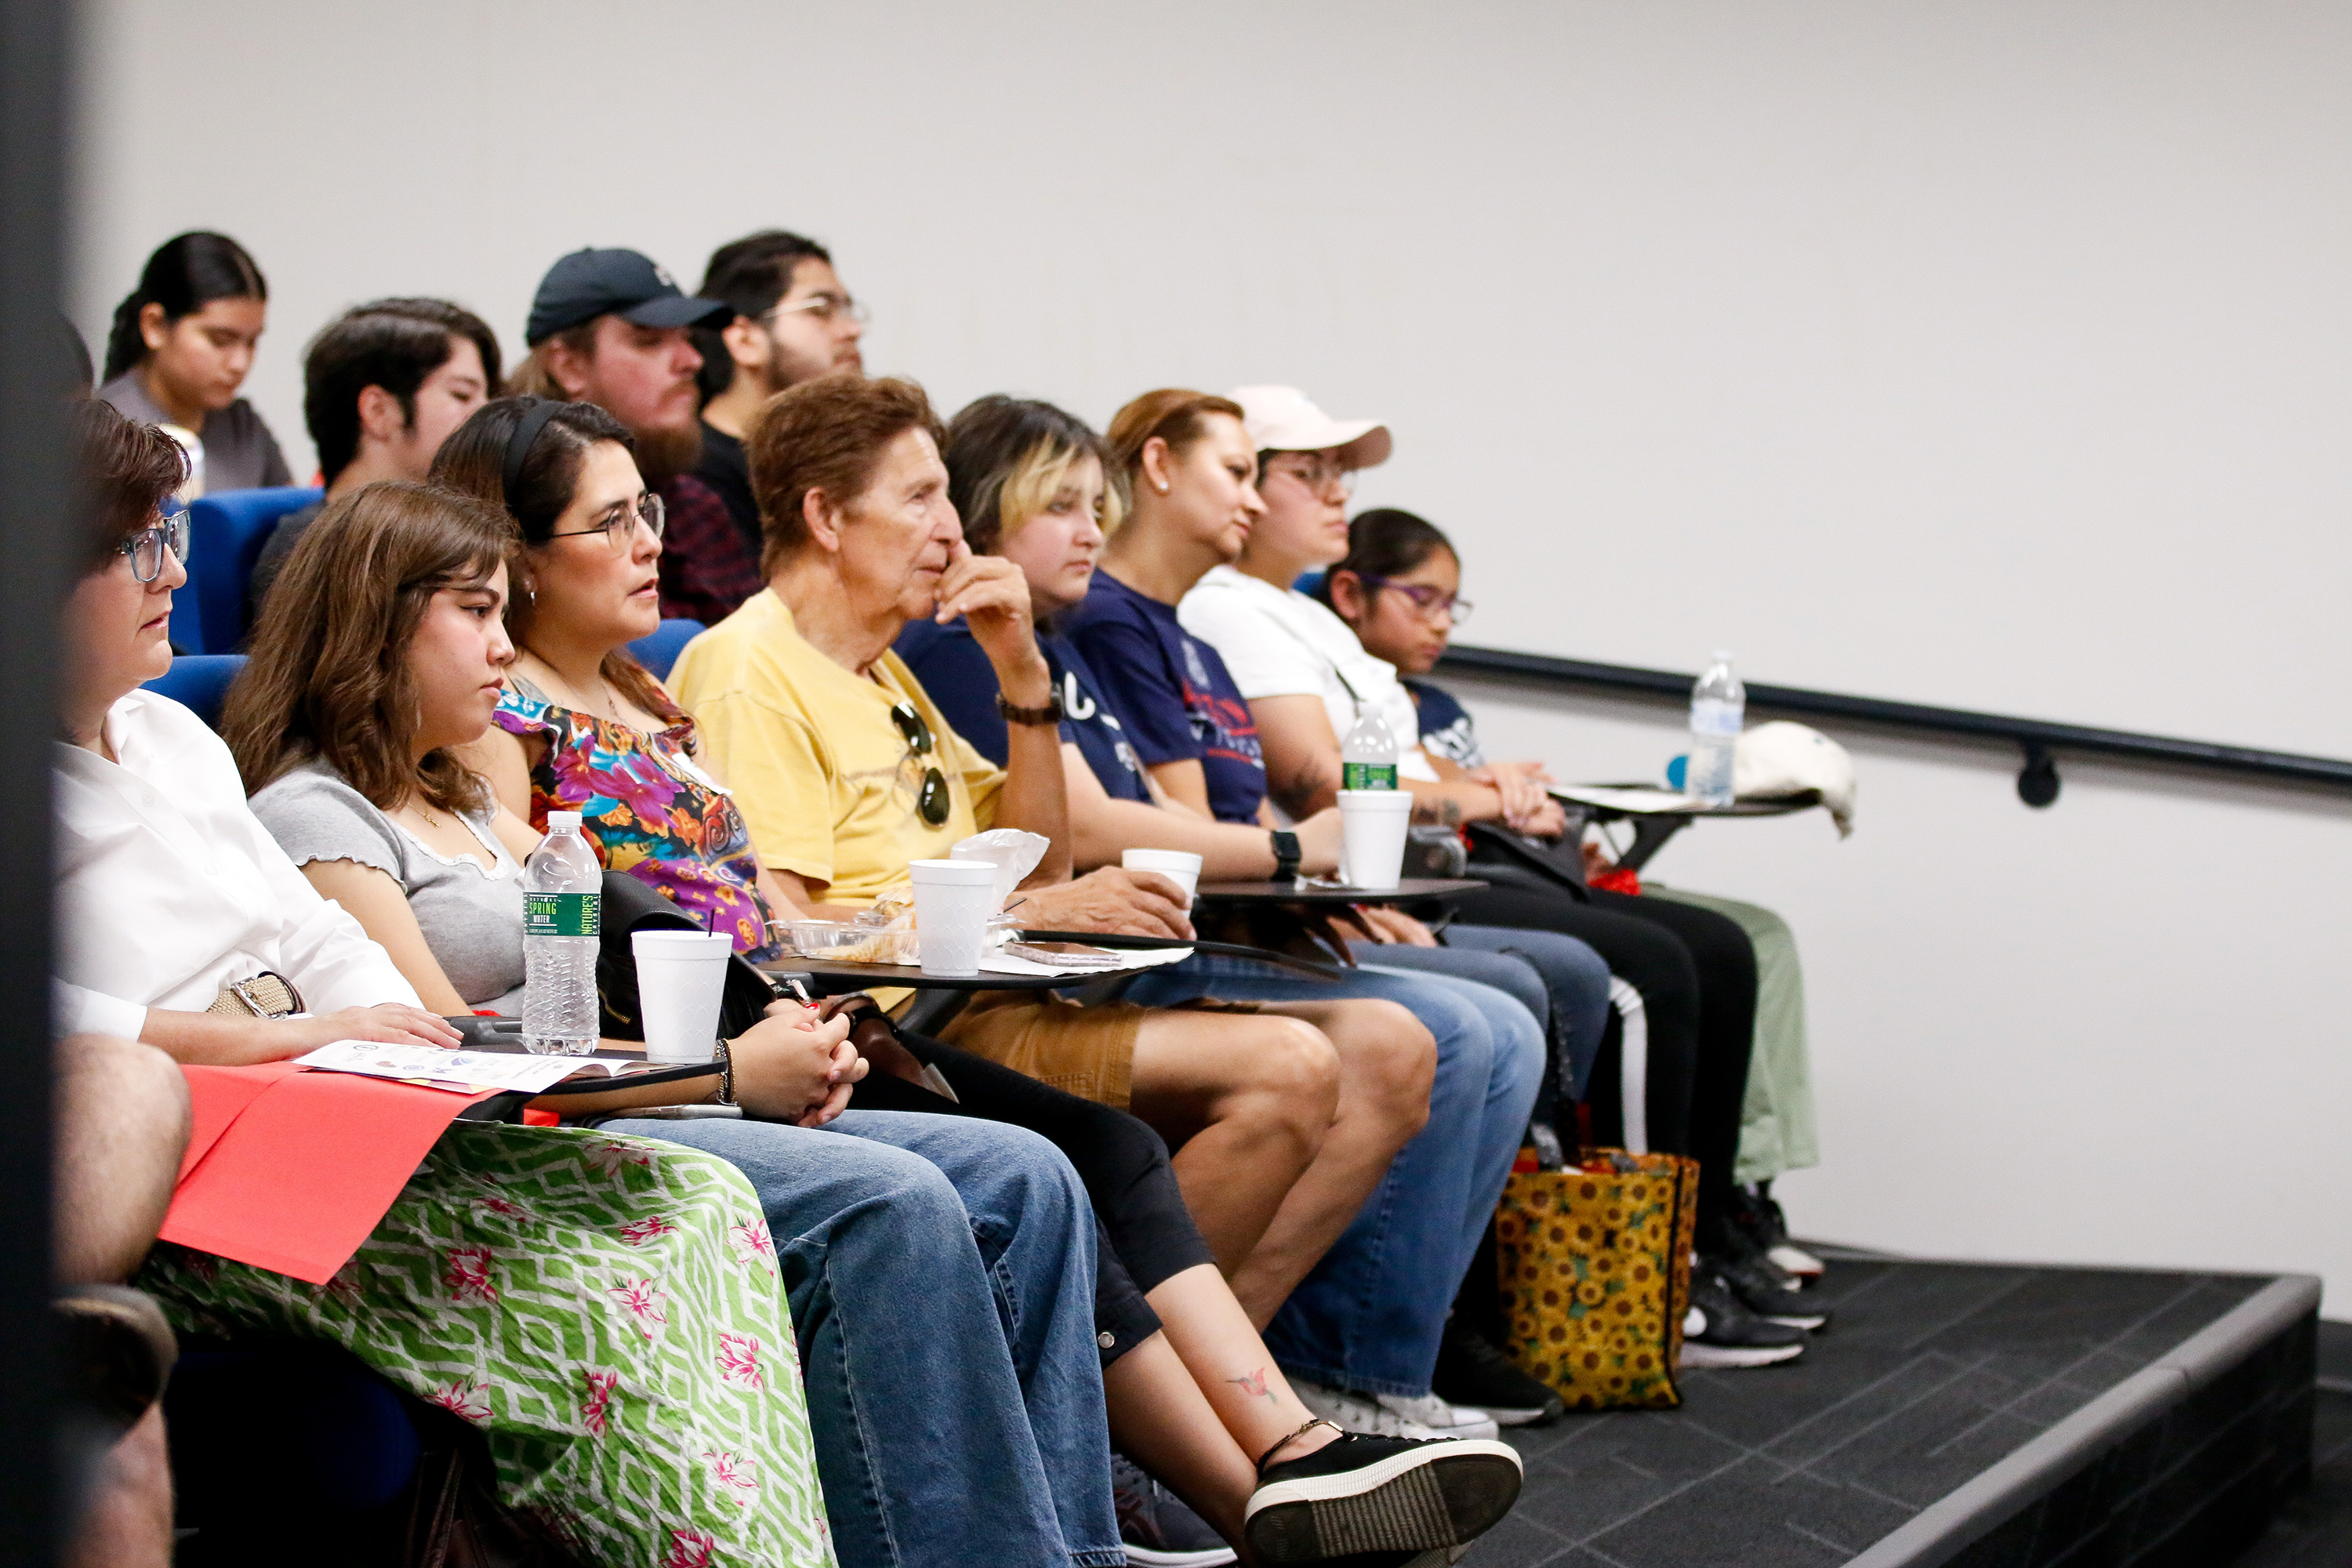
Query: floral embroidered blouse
pixel 648 809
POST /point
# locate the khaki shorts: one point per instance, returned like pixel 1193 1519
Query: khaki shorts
pixel 1085 1051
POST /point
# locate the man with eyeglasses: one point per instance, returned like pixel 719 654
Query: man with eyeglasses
pixel 609 327
pixel 794 321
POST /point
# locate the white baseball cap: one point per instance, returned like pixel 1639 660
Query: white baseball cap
pixel 1281 419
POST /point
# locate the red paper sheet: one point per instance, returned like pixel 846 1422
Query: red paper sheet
pixel 217 1096
pixel 294 1175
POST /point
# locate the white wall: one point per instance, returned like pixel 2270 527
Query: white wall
pixel 1984 353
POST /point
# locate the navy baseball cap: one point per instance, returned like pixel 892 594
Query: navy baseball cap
pixel 587 284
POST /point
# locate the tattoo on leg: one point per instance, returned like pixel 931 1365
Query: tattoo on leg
pixel 1254 1385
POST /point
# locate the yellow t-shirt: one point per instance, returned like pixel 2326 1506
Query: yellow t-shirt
pixel 821 773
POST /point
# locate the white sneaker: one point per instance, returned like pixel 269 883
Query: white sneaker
pixel 1445 1420
pixel 1798 1261
pixel 1355 1413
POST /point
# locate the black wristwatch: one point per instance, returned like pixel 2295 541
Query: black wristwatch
pixel 1286 853
pixel 1051 713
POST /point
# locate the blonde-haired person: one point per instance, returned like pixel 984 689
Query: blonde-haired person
pixel 170 889
pixel 1369 1358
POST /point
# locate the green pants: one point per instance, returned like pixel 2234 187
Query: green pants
pixel 1776 1124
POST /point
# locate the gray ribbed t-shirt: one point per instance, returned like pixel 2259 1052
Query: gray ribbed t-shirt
pixel 470 909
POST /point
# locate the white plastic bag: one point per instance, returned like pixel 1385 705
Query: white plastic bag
pixel 1012 852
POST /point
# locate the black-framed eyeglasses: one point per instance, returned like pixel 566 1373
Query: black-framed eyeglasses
pixel 146 547
pixel 619 523
pixel 1320 475
pixel 825 308
pixel 1430 601
pixel 931 801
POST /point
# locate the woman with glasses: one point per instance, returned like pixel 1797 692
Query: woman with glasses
pixel 182 923
pixel 581 725
pixel 1394 589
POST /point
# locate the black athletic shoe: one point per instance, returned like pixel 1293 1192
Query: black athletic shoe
pixel 1720 1332
pixel 1755 1213
pixel 1156 1527
pixel 1471 1371
pixel 1763 1295
pixel 1381 1495
pixel 1762 1286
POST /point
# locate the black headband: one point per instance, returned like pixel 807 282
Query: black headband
pixel 518 445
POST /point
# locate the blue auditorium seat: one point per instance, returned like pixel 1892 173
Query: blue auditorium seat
pixel 1307 581
pixel 660 651
pixel 200 681
pixel 228 531
pixel 277 1444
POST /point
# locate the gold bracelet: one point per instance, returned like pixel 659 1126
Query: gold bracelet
pixel 726 1052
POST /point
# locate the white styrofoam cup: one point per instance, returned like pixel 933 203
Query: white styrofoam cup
pixel 681 975
pixel 953 900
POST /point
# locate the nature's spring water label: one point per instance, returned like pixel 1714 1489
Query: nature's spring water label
pixel 562 914
pixel 1368 775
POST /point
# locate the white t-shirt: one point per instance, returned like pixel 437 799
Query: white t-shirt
pixel 169 886
pixel 1277 642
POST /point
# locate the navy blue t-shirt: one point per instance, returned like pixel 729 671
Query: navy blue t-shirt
pixel 1172 691
pixel 1446 727
pixel 953 669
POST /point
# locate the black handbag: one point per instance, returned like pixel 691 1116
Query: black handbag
pixel 1512 859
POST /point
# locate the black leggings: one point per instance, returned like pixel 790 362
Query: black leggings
pixel 1143 1233
pixel 1696 973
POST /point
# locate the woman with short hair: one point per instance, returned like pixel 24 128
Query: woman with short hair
pixel 180 347
pixel 172 900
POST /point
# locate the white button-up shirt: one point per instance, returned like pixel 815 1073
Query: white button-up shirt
pixel 169 886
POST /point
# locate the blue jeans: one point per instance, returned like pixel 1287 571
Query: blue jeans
pixel 942 1274
pixel 1541 968
pixel 1368 1316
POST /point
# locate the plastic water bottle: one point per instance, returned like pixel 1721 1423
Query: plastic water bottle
pixel 1719 705
pixel 562 898
pixel 1368 757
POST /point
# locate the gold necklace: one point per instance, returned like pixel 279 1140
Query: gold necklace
pixel 612 696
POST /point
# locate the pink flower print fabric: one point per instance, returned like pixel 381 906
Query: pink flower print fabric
pixel 653 1227
pixel 571 1334
pixel 738 1361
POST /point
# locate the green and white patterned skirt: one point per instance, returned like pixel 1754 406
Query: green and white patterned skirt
pixel 606 1312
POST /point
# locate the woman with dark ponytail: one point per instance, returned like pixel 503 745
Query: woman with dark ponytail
pixel 179 349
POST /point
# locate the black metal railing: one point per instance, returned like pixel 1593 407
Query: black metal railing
pixel 2040 740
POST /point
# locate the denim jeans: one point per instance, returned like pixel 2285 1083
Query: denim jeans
pixel 941 1275
pixel 1541 968
pixel 1368 1317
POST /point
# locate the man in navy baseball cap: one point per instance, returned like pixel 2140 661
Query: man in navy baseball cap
pixel 587 284
pixel 609 327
